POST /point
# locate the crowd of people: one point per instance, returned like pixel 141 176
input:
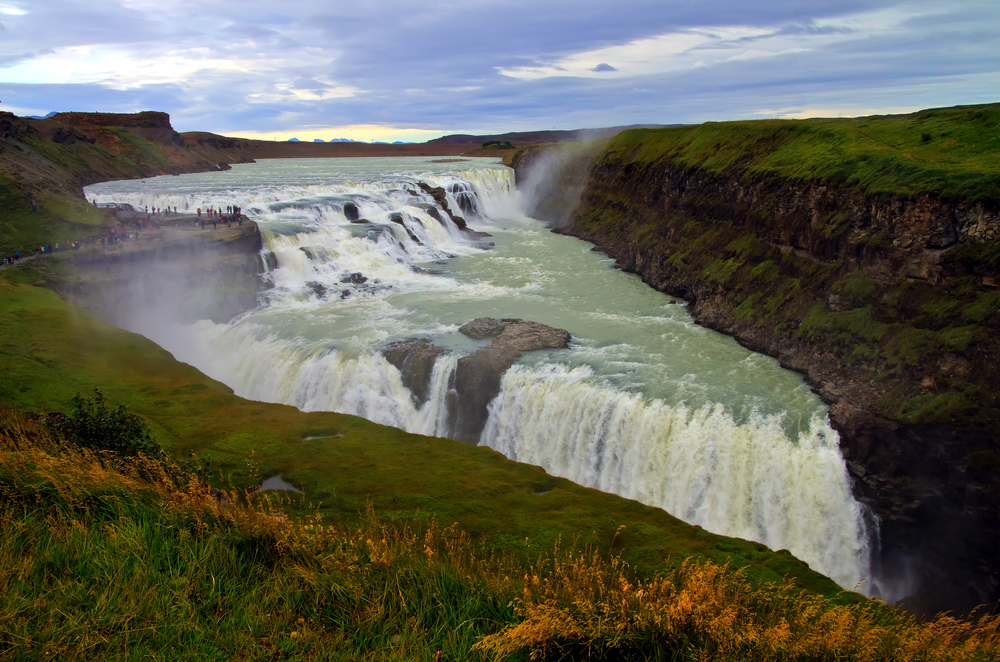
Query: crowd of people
pixel 141 219
pixel 232 214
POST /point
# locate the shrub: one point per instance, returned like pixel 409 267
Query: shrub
pixel 93 424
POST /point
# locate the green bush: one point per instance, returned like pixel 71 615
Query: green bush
pixel 93 424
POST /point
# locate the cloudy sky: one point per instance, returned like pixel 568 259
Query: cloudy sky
pixel 405 70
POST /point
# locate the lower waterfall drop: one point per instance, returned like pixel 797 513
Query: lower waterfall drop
pixel 745 480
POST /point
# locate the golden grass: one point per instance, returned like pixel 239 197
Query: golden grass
pixel 567 604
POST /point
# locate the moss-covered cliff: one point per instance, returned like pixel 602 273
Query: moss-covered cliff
pixel 863 253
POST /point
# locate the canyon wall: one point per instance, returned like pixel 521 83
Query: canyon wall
pixel 885 300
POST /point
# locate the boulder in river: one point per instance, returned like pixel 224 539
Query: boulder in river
pixel 478 375
pixel 414 358
pixel 351 212
pixel 477 378
pixel 355 278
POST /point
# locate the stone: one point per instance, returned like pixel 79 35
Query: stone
pixel 838 303
pixel 354 278
pixel 414 358
pixel 478 375
pixel 318 288
pixel 351 212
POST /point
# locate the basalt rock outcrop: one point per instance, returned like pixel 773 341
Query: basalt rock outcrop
pixel 887 303
pixel 414 358
pixel 441 198
pixel 175 274
pixel 477 376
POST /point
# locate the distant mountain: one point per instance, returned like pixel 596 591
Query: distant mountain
pixel 41 117
pixel 342 140
pixel 318 140
pixel 294 140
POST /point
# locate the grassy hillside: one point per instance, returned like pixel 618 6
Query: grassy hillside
pixel 109 557
pixel 51 352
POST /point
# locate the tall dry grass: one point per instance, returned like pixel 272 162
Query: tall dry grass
pixel 102 557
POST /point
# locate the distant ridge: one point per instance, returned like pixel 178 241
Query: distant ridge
pixel 523 138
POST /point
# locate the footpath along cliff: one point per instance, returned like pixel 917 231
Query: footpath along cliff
pixel 862 253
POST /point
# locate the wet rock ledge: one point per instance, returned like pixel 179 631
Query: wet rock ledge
pixel 477 377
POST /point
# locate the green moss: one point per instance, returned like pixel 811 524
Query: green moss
pixel 929 407
pixel 747 309
pixel 855 286
pixel 744 246
pixel 911 346
pixel 765 272
pixel 940 308
pixel 837 224
pixel 987 304
pixel 787 291
pixel 722 271
pixel 842 327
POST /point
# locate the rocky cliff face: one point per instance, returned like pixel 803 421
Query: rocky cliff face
pixel 174 275
pixel 887 304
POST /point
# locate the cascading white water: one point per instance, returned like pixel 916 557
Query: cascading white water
pixel 747 480
pixel 644 403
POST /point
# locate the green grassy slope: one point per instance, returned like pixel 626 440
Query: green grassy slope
pixel 951 153
pixel 51 351
pixel 110 558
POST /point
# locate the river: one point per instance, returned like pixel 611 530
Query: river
pixel 644 403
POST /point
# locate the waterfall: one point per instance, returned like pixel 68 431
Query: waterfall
pixel 312 378
pixel 690 443
pixel 745 480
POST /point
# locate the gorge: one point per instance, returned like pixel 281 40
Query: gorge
pixel 881 294
pixel 642 402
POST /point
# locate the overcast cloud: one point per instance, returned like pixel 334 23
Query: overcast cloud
pixel 398 69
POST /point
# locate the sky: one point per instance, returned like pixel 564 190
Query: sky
pixel 404 70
